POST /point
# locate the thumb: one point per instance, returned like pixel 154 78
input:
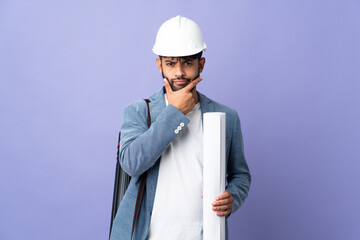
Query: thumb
pixel 167 85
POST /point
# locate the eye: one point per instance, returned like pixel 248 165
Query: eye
pixel 169 63
pixel 188 63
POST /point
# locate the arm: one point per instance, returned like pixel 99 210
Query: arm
pixel 140 146
pixel 238 174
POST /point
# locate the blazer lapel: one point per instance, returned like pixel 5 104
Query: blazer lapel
pixel 157 104
pixel 206 104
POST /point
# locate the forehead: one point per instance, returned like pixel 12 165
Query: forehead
pixel 177 58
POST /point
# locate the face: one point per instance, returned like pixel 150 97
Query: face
pixel 180 71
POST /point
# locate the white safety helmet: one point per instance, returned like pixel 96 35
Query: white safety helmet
pixel 179 37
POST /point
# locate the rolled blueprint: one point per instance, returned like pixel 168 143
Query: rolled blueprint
pixel 213 173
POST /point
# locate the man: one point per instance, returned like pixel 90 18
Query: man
pixel 170 151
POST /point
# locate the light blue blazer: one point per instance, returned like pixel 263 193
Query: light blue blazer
pixel 142 147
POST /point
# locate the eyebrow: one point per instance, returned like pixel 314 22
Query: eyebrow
pixel 186 59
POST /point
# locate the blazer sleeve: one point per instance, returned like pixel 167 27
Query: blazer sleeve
pixel 140 147
pixel 238 174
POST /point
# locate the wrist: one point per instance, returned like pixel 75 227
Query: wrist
pixel 177 106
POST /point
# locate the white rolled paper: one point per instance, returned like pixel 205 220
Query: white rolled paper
pixel 214 127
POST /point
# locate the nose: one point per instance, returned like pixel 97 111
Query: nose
pixel 179 71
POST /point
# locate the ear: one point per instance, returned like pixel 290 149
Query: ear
pixel 158 62
pixel 201 64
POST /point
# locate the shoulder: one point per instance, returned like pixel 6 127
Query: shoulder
pixel 219 107
pixel 231 113
pixel 136 107
pixel 139 107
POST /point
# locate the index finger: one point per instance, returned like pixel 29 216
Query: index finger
pixel 224 195
pixel 192 84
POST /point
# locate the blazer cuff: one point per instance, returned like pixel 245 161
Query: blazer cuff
pixel 175 119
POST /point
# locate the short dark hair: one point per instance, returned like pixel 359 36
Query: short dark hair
pixel 192 57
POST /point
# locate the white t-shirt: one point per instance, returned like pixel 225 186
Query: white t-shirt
pixel 177 211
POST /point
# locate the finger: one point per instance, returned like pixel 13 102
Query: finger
pixel 221 208
pixel 192 84
pixel 222 214
pixel 224 195
pixel 167 85
pixel 222 202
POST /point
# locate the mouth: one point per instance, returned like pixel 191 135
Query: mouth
pixel 181 81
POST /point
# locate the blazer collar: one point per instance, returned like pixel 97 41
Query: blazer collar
pixel 206 104
pixel 156 105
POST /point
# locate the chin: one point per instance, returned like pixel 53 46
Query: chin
pixel 175 89
pixel 178 88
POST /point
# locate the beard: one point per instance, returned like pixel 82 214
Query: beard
pixel 177 88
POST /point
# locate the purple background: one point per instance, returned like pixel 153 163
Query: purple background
pixel 290 69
